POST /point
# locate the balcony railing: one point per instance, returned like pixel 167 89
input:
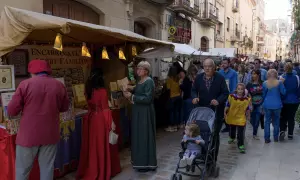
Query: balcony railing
pixel 220 38
pixel 161 2
pixel 238 34
pixel 222 2
pixel 209 13
pixel 186 7
pixel 260 40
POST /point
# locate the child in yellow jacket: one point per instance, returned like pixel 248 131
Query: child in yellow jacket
pixel 236 112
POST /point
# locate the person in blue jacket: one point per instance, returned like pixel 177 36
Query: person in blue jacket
pixel 257 66
pixel 290 102
pixel 230 75
pixel 231 78
pixel 273 89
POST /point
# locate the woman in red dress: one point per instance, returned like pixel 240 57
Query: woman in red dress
pixel 95 156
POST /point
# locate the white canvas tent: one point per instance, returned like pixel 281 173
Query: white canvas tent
pixel 17 26
pixel 166 52
pixel 228 52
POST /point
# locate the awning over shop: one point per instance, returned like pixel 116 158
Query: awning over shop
pixel 17 26
pixel 167 52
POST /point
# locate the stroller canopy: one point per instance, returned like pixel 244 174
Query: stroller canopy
pixel 203 114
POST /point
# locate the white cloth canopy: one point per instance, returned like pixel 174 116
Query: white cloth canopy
pixel 167 52
pixel 17 26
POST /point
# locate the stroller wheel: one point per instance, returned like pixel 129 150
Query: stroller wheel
pixel 179 177
pixel 173 177
pixel 209 170
pixel 216 172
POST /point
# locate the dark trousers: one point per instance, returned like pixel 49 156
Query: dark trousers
pixel 287 119
pixel 240 131
pixel 217 128
pixel 175 110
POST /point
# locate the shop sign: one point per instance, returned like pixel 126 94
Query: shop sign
pixel 183 35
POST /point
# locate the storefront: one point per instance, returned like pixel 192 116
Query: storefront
pixel 80 47
pixel 180 30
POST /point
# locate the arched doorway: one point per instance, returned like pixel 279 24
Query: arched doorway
pixel 204 44
pixel 145 27
pixel 140 28
pixel 71 9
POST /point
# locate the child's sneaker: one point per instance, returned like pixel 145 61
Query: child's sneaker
pixel 189 161
pixel 230 141
pixel 183 162
pixel 242 149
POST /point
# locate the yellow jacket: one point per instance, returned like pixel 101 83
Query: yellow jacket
pixel 174 87
pixel 236 114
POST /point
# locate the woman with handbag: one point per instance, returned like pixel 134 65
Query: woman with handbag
pixel 95 155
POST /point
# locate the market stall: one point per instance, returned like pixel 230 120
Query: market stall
pixel 72 48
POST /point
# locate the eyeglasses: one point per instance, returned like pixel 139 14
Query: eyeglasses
pixel 140 69
pixel 208 67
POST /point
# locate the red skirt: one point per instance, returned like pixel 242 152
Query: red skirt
pixel 95 162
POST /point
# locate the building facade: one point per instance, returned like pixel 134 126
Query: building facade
pixel 271 40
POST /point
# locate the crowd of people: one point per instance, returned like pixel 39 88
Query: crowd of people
pixel 264 93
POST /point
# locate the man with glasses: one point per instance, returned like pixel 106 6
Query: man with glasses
pixel 210 90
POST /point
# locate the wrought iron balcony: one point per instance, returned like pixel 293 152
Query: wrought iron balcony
pixel 219 38
pixel 186 7
pixel 209 14
pixel 222 2
pixel 161 2
pixel 236 36
pixel 235 6
pixel 260 40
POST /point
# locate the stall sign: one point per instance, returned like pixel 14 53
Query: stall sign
pixel 69 57
pixel 68 64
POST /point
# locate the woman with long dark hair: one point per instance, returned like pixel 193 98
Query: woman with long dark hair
pixel 95 156
pixel 255 89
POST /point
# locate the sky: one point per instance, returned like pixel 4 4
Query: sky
pixel 277 9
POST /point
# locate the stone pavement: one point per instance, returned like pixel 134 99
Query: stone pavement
pixel 274 161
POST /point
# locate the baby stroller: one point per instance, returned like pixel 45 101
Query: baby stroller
pixel 204 117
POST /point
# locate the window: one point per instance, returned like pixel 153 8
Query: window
pixel 219 28
pixel 228 24
pixel 139 29
pixel 72 10
pixel 236 27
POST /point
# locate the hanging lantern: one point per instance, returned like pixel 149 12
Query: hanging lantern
pixel 85 51
pixel 121 54
pixel 105 54
pixel 58 42
pixel 134 53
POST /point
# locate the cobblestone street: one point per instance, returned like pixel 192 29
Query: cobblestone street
pixel 274 161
